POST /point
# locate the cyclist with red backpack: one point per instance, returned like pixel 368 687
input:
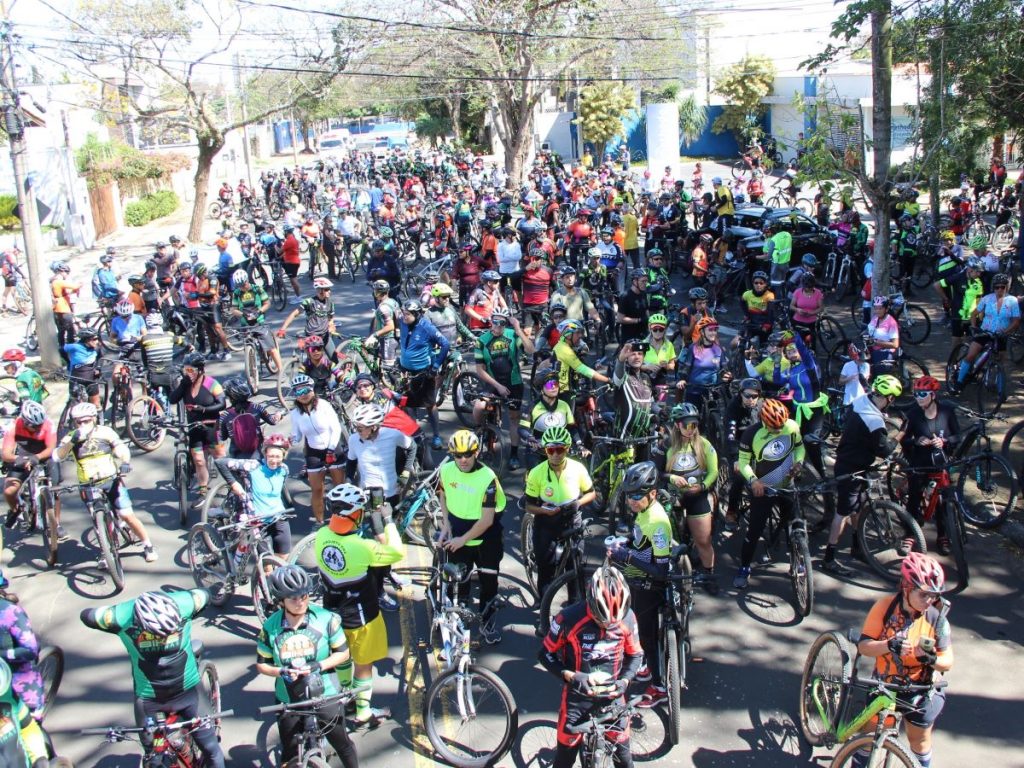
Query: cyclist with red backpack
pixel 240 425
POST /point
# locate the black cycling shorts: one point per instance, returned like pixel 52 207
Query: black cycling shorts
pixel 202 436
pixel 316 459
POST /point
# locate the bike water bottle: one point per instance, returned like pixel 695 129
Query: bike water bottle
pixel 241 549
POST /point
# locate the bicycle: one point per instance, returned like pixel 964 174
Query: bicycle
pixel 828 680
pixel 254 356
pixel 597 749
pixel 914 323
pixel 228 553
pixel 607 467
pixel 569 581
pixel 838 274
pixel 35 506
pixel 469 714
pixel 985 374
pixel 783 199
pixel 801 572
pixel 313 750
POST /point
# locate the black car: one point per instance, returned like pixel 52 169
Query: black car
pixel 808 236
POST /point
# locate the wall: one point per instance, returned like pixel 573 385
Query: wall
pixel 555 129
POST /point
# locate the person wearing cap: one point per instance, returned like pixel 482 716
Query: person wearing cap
pixel 633 307
pixel 723 204
pixel 577 301
pixel 65 292
pixel 165 257
pixel 104 280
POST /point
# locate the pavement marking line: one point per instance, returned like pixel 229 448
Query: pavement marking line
pixel 415 683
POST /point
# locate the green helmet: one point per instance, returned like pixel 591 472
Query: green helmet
pixel 657 319
pixel 555 436
pixel 978 242
pixel 887 385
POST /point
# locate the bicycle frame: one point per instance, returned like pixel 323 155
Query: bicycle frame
pixel 884 701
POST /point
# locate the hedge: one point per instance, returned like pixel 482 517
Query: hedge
pixel 149 207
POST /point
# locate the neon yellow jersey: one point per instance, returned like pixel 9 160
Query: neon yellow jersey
pixel 569 363
pixel 651 540
pixel 547 487
pixel 666 354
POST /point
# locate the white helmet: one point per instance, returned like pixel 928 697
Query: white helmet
pixel 240 277
pixel 346 497
pixel 368 415
pixel 322 282
pixel 124 308
pixel 83 411
pixel 157 613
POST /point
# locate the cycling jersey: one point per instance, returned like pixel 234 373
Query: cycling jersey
pixel 96 452
pixel 465 496
pixel 19 647
pixel 448 323
pixel 684 462
pixel 756 306
pixel 252 299
pixel 80 355
pixel 779 248
pixel 21 441
pixel 417 344
pixel 206 404
pixel 158 355
pixel 319 427
pixel 666 353
pixel 864 438
pixel 21 740
pixel 542 416
pixel 769 455
pixel 650 545
pixel 634 399
pixel 499 354
pixel 700 365
pixel 918 425
pixel 544 487
pixel 569 363
pixel 376 458
pixel 162 667
pixel 577 304
pixel 386 311
pixel 30 385
pixel 264 485
pixel 888 618
pixel 317 636
pixel 536 286
pixel 318 313
pixel 998 316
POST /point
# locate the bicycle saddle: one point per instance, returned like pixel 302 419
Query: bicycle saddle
pixel 453 571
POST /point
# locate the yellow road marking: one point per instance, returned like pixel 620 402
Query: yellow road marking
pixel 414 678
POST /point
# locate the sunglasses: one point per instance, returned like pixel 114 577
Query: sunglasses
pixel 364 385
pixel 998 287
pixel 928 597
pixel 84 421
pixel 463 454
pixel 657 329
pixel 687 424
pixel 555 449
pixel 636 496
pixel 302 391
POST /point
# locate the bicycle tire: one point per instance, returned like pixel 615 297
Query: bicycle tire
pixel 526 548
pixel 284 382
pixel 442 702
pixel 314 761
pixel 804 205
pixel 50 666
pixel 263 602
pixel 465 389
pixel 673 686
pixel 739 169
pixel 181 486
pixel 569 587
pixel 31 337
pixel 278 292
pixel 252 366
pixel 845 756
pixel 494 449
pixel 830 332
pixel 48 526
pixel 106 535
pixel 909 370
pixel 991 389
pixel 303 555
pixel 827 672
pixel 955 534
pixel 803 583
pixel 988 489
pixel 914 324
pixel 214 210
pixel 210 700
pixel 1003 237
pixel 1012 449
pixel 208 562
pixel 141 411
pixel 882 526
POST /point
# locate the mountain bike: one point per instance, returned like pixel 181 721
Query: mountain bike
pixel 602 724
pixel 35 506
pixel 112 533
pixel 569 582
pixel 609 460
pixel 914 323
pixel 986 375
pixel 674 634
pixel 255 357
pixel 313 749
pixel 827 686
pixel 457 362
pixel 801 572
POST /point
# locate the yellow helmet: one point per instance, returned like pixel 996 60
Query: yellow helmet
pixel 948 234
pixel 463 441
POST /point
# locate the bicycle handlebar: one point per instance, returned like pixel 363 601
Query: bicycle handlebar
pixel 124 730
pixel 318 702
pixel 606 716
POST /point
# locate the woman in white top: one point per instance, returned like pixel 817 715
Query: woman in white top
pixel 510 258
pixel 315 422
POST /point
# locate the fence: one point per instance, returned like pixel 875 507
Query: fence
pixel 104 202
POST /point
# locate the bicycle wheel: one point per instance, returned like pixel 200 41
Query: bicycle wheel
pixel 215 209
pixel 954 525
pixel 801 573
pixel 566 589
pixel 1003 237
pixel 209 691
pixel 991 389
pixel 529 556
pixel 108 540
pixel 208 561
pixel 31 338
pixel 673 685
pixel 314 761
pixel 881 529
pixel 493 448
pixel 263 601
pixel 805 206
pixel 181 486
pixel 465 390
pixel 915 325
pixel 278 292
pixel 470 717
pixel 895 753
pixel 909 369
pixel 988 489
pixel 922 273
pixel 976 228
pixel 304 554
pixel 284 382
pixel 252 366
pixel 1012 449
pixel 47 523
pixel 823 687
pixel 142 411
pixel 739 169
pixel 51 669
pixel 831 333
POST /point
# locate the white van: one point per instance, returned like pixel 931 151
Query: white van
pixel 335 143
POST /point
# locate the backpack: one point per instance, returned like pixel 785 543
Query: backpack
pixel 246 436
pixel 97 286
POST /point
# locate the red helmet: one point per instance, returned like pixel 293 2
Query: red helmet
pixel 774 414
pixel 927 384
pixel 924 572
pixel 608 596
pixel 14 356
pixel 277 441
pixel 313 342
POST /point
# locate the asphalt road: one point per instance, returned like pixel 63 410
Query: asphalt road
pixel 740 709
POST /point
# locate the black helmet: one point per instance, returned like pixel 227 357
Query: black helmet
pixel 697 293
pixel 195 360
pixel 87 334
pixel 412 306
pixel 750 385
pixel 640 478
pixel 290 581
pixel 237 388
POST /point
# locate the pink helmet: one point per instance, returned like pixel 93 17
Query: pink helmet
pixel 924 572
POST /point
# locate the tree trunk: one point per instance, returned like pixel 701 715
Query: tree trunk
pixel 304 125
pixel 455 112
pixel 208 149
pixel 881 187
pixel 518 149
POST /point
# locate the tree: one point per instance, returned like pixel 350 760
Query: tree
pixel 693 119
pixel 602 109
pixel 745 85
pixel 157 43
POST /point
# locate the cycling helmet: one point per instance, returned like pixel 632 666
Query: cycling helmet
pixel 887 385
pixel 706 238
pixel 685 412
pixel 638 274
pixel 923 572
pixel 490 276
pixel 857 348
pixel 368 415
pixel 431 276
pixel 657 319
pixel 290 581
pixel 750 385
pixel 380 286
pixel 705 323
pixel 906 217
pixel 441 289
pixel 654 252
pixel 32 413
pixel 313 342
pixel 58 266
pixel 501 315
pixel 594 253
pixel 973 262
pixel 346 498
pixel 698 294
pixel 926 384
pixel 157 613
pixel 14 356
pixel 760 275
pixel 774 414
pixel 640 477
pixel 240 277
pixel 880 301
pixel 195 360
pixel 555 436
pixel 809 261
pixel 567 270
pixel 569 326
pixel 83 411
pixel 277 441
pixel 558 306
pixel 463 441
pixel 200 270
pixel 386 233
pixel 301 381
pixel 238 389
pixel 107 258
pixel 607 231
pixel 149 265
pixel 978 243
pixel 322 282
pixel 1000 278
pixel 377 245
pixel 124 308
pixel 774 339
pixel 608 596
pixel 412 306
pixel 135 279
pixel 948 236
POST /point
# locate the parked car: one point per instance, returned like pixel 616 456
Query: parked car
pixel 808 236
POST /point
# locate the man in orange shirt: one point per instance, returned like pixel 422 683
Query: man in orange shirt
pixel 64 292
pixel 488 243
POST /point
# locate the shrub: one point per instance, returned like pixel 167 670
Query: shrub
pixel 149 207
pixel 10 223
pixel 7 205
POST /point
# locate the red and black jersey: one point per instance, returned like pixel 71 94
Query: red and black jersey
pixel 575 641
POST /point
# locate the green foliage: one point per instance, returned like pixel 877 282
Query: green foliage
pixel 10 223
pixel 744 85
pixel 7 205
pixel 693 119
pixel 602 109
pixel 103 161
pixel 432 127
pixel 149 207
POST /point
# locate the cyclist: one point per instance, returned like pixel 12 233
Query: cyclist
pixel 250 302
pixel 930 427
pixel 156 630
pixel 204 400
pixel 593 646
pixel 633 395
pixel 260 486
pixel 424 350
pixel 742 411
pixel 691 467
pixel 576 300
pixel 778 248
pixel 83 357
pixel 556 489
pixel 472 503
pixel 484 300
pixel 290 260
pixel 316 422
pixel 568 362
pixel 19 647
pixel 658 283
pixel 965 289
pixel 27 443
pixel 240 424
pixel 497 365
pixel 645 559
pixel 64 292
pixel 23 744
pixel 384 326
pixel 892 635
pixel 104 280
pixel 771 454
pixel 297 644
pixel 702 364
pixel 537 277
pixel 863 440
pixel 633 307
pixel 207 312
pixel 29 385
pixel 856 372
pixel 723 204
pixel 548 411
pixel 757 317
pixel 319 312
pixel 95 449
pixel 883 332
pixel 344 559
pixel 691 315
pixel 467 271
pixel 316 364
pixel 904 246
pixel 999 316
pixel 660 357
pixel 807 304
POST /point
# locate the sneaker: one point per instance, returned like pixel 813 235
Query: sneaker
pixel 149 553
pixel 62 535
pixel 436 443
pixel 944 546
pixel 399 581
pixel 225 356
pixel 371 717
pixel 387 603
pixel 836 568
pixel 643 675
pixel 513 463
pixel 490 633
pixel 12 517
pixel 742 578
pixel 905 547
pixel 653 696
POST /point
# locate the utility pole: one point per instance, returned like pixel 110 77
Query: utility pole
pixel 295 140
pixel 12 115
pixel 245 122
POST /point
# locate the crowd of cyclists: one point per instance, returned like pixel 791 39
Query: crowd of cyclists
pixel 557 301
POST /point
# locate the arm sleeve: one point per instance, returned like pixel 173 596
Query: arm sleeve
pixel 234 470
pixel 711 455
pixel 103 618
pixel 179 392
